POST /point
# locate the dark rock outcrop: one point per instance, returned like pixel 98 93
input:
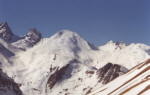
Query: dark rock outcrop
pixel 7 85
pixel 61 74
pixel 33 36
pixel 109 72
pixel 6 34
pixel 56 76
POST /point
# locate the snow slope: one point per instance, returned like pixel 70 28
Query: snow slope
pixel 135 82
pixel 66 64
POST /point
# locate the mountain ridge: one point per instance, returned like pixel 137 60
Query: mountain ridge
pixel 66 64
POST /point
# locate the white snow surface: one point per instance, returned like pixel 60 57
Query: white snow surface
pixel 31 68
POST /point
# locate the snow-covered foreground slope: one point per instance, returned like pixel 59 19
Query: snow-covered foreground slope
pixel 134 82
pixel 66 64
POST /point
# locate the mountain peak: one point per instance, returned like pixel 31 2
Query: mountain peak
pixel 71 39
pixel 112 45
pixel 65 33
pixel 33 36
pixel 5 32
pixel 29 40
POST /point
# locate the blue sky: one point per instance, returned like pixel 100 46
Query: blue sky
pixel 97 21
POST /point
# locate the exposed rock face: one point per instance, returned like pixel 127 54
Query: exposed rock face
pixel 8 86
pixel 109 72
pixel 29 40
pixel 56 76
pixel 33 36
pixel 5 32
pixel 61 74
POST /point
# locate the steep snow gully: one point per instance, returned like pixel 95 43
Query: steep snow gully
pixel 66 64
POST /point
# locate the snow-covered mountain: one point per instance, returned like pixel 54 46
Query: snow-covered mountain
pixel 66 64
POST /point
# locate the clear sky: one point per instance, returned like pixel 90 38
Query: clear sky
pixel 97 21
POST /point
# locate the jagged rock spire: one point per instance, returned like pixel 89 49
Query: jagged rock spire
pixel 29 40
pixel 5 32
pixel 33 36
